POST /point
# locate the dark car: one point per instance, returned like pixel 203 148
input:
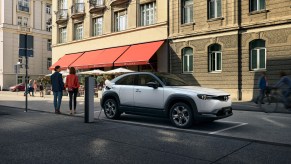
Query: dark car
pixel 18 87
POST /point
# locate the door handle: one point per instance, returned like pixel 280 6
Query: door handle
pixel 137 90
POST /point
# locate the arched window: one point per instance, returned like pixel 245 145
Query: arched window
pixel 258 54
pixel 214 9
pixel 215 58
pixel 187 57
pixel 257 5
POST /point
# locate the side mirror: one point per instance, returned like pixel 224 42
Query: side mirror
pixel 153 85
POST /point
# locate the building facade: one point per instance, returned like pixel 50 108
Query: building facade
pixel 84 31
pixel 31 17
pixel 225 44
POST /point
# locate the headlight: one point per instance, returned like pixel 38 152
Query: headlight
pixel 204 97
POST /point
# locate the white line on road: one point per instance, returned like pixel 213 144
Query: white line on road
pixel 242 124
pixel 187 130
pixel 274 122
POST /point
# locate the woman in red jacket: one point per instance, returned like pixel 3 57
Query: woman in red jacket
pixel 72 83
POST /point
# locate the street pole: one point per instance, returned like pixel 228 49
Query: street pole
pixel 26 73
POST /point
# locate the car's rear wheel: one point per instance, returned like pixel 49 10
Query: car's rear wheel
pixel 111 109
pixel 181 115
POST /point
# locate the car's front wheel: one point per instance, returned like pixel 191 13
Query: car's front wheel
pixel 181 115
pixel 111 109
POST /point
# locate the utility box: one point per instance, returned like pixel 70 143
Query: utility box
pixel 89 99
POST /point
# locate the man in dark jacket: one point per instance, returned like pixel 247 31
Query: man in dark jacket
pixel 262 86
pixel 57 88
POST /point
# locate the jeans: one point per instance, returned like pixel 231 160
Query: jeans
pixel 73 95
pixel 286 95
pixel 261 96
pixel 58 99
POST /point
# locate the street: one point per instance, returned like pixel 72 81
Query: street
pixel 245 137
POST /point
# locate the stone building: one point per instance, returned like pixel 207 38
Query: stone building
pixel 110 33
pixel 31 17
pixel 225 44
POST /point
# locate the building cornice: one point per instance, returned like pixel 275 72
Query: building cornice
pixel 115 33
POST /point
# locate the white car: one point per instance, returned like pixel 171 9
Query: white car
pixel 163 95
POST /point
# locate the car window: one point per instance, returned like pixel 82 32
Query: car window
pixel 144 79
pixel 127 80
pixel 171 80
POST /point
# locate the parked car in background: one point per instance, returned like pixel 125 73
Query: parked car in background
pixel 164 95
pixel 18 87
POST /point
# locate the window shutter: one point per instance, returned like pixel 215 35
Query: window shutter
pixel 254 59
pixel 219 61
pixel 219 8
pixel 262 58
pixel 211 9
pixel 262 4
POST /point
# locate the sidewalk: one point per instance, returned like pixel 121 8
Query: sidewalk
pixel 46 104
pixel 13 99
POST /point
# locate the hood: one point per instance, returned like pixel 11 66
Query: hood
pixel 201 90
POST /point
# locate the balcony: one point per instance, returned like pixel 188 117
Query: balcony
pixel 62 16
pixel 78 10
pixel 23 8
pixel 24 29
pixel 118 2
pixel 96 5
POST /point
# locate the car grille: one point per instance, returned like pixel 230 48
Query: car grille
pixel 221 98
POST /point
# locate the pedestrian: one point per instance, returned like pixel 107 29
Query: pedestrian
pixel 30 88
pixel 57 88
pixel 34 86
pixel 285 80
pixel 41 89
pixel 72 83
pixel 263 87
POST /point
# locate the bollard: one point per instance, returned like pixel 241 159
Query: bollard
pixel 89 99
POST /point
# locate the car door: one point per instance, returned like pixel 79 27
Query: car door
pixel 148 97
pixel 126 86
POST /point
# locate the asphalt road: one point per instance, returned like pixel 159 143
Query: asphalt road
pixel 42 137
pixel 258 126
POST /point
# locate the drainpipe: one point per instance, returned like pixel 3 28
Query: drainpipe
pixel 239 44
pixel 168 34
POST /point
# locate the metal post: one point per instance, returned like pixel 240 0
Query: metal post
pixel 26 74
pixel 89 99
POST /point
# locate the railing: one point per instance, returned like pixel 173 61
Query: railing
pixel 23 8
pixel 113 2
pixel 24 29
pixel 62 14
pixel 78 8
pixel 96 3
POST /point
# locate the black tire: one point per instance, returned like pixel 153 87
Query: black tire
pixel 111 110
pixel 181 115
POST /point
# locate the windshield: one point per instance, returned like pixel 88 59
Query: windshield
pixel 171 80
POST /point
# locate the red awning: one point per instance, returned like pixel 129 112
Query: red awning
pixel 99 58
pixel 139 54
pixel 66 61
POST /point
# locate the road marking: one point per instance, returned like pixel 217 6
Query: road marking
pixel 173 128
pixel 222 130
pixel 274 122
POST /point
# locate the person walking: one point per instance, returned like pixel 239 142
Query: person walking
pixel 34 86
pixel 57 88
pixel 30 88
pixel 41 89
pixel 72 83
pixel 263 87
pixel 285 80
